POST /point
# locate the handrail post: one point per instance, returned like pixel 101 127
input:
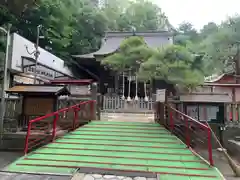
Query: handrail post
pixel 187 132
pixel 55 125
pixel 27 138
pixel 171 120
pixel 92 110
pixel 75 118
pixel 210 147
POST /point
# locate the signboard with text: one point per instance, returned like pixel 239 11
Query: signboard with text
pixel 161 95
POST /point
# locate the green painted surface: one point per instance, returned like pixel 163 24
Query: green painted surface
pixel 117 145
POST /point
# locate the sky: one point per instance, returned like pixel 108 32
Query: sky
pixel 198 12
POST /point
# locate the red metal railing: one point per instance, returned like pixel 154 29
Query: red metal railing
pixel 193 133
pixel 47 128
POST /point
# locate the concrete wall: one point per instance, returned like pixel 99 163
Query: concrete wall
pixel 18 50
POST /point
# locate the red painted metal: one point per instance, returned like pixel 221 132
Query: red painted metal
pixel 108 169
pixel 75 118
pixel 108 150
pixel 32 142
pixel 120 164
pixel 118 157
pixel 130 145
pixel 187 132
pixel 200 125
pixel 27 138
pixel 54 123
pixel 210 147
pixel 55 126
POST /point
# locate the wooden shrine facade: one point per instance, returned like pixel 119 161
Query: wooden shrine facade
pixel 110 82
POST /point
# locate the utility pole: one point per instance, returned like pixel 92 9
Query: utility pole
pixel 36 54
pixel 5 81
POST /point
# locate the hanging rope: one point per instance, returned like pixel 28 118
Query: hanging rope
pixel 129 87
pixel 136 96
pixel 123 95
pixel 145 92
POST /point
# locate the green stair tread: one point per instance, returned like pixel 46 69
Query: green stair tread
pixel 99 165
pixel 70 136
pixel 122 154
pixel 126 143
pixel 125 123
pixel 119 148
pixel 113 134
pixel 118 160
pixel 124 127
pixel 36 169
pixel 133 134
pixel 105 129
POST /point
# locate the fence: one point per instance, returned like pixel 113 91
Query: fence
pixel 47 128
pixel 192 132
pixel 14 121
pixel 116 104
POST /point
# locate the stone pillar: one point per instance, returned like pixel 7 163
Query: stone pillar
pixel 94 96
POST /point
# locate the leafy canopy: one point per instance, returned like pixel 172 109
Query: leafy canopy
pixel 174 64
pixel 131 53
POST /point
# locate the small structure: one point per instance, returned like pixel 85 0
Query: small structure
pixel 81 90
pixel 37 100
pixel 77 87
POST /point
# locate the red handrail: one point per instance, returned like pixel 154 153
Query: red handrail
pixel 188 119
pixel 75 108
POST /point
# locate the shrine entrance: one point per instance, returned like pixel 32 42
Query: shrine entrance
pixel 117 104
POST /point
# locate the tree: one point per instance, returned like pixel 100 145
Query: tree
pixel 131 53
pixel 19 7
pixel 175 64
pixel 143 15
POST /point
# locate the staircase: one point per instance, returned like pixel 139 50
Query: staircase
pixel 114 147
pixel 128 117
pixel 122 144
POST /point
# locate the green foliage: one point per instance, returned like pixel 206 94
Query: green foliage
pixel 76 27
pixel 174 64
pixel 131 53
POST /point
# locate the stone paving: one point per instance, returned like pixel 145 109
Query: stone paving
pixel 80 176
pixel 15 176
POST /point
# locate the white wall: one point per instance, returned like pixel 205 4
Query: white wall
pixel 18 50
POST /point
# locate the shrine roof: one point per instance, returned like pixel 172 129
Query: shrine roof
pixel 223 85
pixel 39 89
pixel 112 40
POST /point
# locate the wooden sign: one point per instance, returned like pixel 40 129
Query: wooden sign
pixel 161 95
